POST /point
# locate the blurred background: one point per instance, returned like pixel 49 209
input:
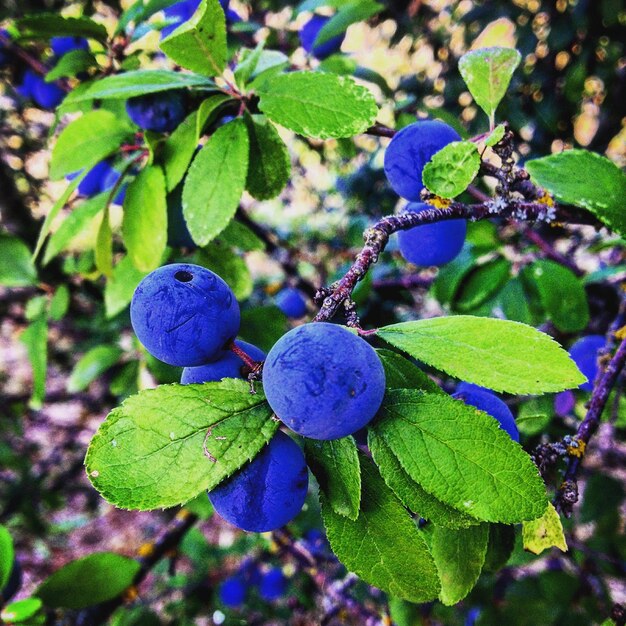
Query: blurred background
pixel 59 378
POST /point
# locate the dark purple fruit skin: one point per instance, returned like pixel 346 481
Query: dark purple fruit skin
pixel 159 112
pixel 233 592
pixel 93 183
pixel 488 402
pixel 273 585
pixel 309 33
pixel 291 302
pixel 63 45
pixel 322 381
pixel 268 492
pixel 431 244
pixel 409 151
pixel 227 366
pixel 584 353
pixel 184 314
pixel 47 95
pixel 13 584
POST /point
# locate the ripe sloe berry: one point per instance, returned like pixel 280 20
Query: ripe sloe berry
pixel 322 381
pixel 309 33
pixel 233 592
pixel 63 45
pixel 160 112
pixel 273 584
pixel 488 402
pixel 409 151
pixel 291 302
pixel 46 95
pixel 584 353
pixel 267 492
pixel 227 366
pixel 431 244
pixel 184 314
pixel 93 183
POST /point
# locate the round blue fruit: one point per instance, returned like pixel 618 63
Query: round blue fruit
pixel 229 365
pixel 93 183
pixel 46 95
pixel 409 151
pixel 233 592
pixel 322 381
pixel 184 314
pixel 267 492
pixel 159 112
pixel 431 244
pixel 489 403
pixel 5 55
pixel 27 84
pixel 585 354
pixel 178 235
pixel 63 45
pixel 309 33
pixel 273 585
pixel 291 302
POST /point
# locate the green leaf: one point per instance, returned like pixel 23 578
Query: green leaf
pixel 104 245
pixel 71 64
pixel 514 302
pixel 178 149
pixel 77 221
pixel 335 465
pixel 459 556
pixel 495 135
pixel 88 581
pixel 482 284
pixel 316 104
pixel 7 556
pixel 400 373
pixel 208 110
pixel 46 25
pixel 404 613
pixel 535 415
pixel 452 169
pixel 410 493
pixel 91 365
pixel 451 275
pixel 86 141
pixel 248 61
pixel 561 294
pixel 54 211
pixel 229 266
pixel 215 182
pixel 199 44
pixel 544 533
pixel 237 235
pixel 35 338
pixel 587 180
pixel 269 163
pixel 383 546
pixel 348 13
pixel 461 456
pixel 498 354
pixel 59 303
pixel 145 219
pixel 139 83
pixel 500 548
pixel 21 610
pixel 16 266
pixel 144 447
pixel 487 73
pixel 119 288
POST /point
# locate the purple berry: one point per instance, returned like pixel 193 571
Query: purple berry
pixel 233 592
pixel 409 151
pixel 273 585
pixel 94 182
pixel 291 302
pixel 47 95
pixel 160 112
pixel 63 45
pixel 227 366
pixel 322 381
pixel 184 314
pixel 431 244
pixel 267 492
pixel 585 354
pixel 309 33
